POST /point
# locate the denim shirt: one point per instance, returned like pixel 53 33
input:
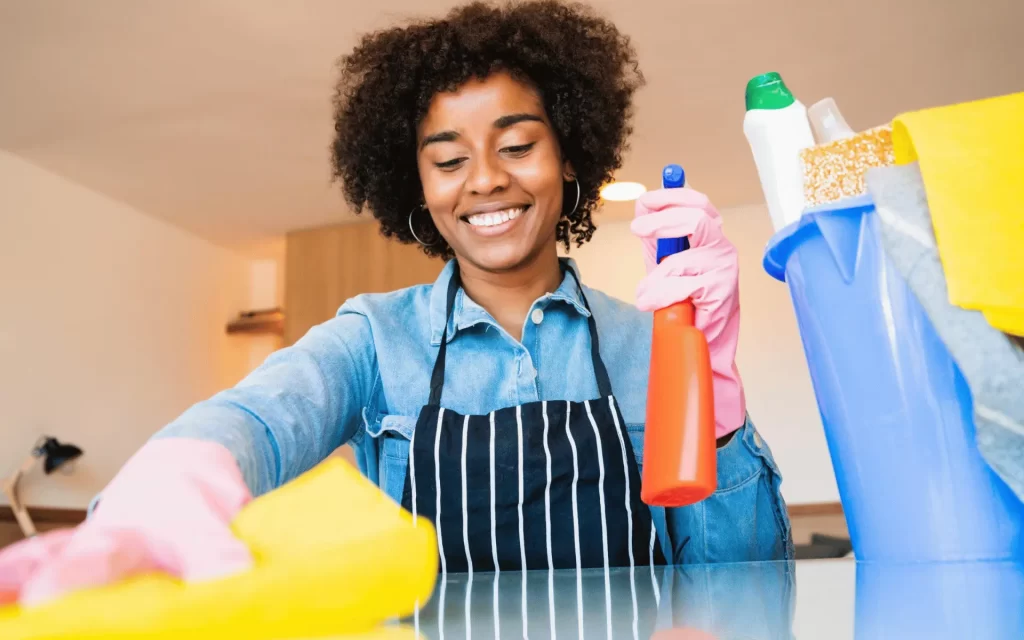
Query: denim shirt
pixel 362 377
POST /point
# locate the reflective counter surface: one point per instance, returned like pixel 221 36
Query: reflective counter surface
pixel 831 599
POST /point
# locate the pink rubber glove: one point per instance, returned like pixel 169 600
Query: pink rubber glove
pixel 707 273
pixel 168 509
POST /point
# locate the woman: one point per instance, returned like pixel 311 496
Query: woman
pixel 506 401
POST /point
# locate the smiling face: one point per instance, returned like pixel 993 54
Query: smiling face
pixel 492 172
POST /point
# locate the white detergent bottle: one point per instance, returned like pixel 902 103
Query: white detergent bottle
pixel 777 129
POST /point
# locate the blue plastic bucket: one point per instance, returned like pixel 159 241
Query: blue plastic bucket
pixel 940 601
pixel 897 411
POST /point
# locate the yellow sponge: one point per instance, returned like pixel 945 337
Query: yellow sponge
pixel 333 556
pixel 835 170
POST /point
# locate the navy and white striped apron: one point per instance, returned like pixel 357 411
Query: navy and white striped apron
pixel 543 485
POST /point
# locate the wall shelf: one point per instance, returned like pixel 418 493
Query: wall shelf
pixel 261 321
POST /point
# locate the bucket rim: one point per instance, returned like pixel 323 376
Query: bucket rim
pixel 782 245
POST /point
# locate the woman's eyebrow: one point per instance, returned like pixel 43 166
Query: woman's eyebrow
pixel 504 122
pixel 443 136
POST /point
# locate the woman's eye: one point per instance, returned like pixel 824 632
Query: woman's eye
pixel 518 150
pixel 449 165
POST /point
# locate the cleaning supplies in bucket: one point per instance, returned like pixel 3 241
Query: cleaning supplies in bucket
pixel 835 168
pixel 827 122
pixel 896 408
pixel 972 165
pixel 777 128
pixel 992 364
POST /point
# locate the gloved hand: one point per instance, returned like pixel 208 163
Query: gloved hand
pixel 168 509
pixel 707 273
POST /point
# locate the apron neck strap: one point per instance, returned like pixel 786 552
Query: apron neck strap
pixel 604 385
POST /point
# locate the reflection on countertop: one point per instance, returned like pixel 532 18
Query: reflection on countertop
pixel 758 601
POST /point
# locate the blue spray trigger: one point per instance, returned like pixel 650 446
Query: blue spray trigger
pixel 672 177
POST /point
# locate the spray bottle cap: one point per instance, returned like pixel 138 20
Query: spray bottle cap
pixel 828 123
pixel 672 177
pixel 768 91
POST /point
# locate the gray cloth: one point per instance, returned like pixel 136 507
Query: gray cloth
pixel 992 364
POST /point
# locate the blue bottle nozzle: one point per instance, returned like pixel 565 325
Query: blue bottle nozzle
pixel 672 177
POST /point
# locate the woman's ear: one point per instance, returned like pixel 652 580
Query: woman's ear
pixel 568 174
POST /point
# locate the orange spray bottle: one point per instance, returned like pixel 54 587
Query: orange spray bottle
pixel 679 440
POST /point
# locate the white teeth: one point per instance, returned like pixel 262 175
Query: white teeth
pixel 495 218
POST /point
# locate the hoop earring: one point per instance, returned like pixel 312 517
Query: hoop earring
pixel 575 206
pixel 413 232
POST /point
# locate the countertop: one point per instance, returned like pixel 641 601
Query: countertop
pixel 828 599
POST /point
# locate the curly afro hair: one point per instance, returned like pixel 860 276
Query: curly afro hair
pixel 584 69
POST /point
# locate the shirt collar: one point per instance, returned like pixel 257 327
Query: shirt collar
pixel 466 313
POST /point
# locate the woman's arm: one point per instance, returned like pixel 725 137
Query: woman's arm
pixel 170 507
pixel 295 409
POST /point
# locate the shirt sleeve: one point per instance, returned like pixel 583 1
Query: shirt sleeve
pixel 295 409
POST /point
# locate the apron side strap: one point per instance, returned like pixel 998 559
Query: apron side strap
pixel 604 385
pixel 437 375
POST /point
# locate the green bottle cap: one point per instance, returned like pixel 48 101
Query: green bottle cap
pixel 768 91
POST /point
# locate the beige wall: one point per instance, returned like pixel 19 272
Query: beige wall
pixel 771 359
pixel 111 324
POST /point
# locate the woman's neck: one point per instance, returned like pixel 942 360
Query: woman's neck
pixel 508 296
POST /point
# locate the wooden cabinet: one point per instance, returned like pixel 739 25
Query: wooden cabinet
pixel 326 266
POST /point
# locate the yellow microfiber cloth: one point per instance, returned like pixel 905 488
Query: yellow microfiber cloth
pixel 971 157
pixel 333 556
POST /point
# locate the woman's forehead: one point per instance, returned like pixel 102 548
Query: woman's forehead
pixel 479 102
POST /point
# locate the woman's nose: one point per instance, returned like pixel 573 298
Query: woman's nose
pixel 487 176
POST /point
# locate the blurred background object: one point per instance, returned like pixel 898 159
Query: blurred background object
pixel 55 455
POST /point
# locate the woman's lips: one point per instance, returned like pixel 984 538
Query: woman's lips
pixel 495 223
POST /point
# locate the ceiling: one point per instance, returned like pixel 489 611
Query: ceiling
pixel 215 114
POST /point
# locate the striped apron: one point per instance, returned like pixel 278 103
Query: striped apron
pixel 543 485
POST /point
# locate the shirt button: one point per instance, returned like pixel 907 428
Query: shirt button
pixel 757 440
pixel 537 316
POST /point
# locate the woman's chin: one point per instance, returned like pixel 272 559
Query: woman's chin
pixel 499 256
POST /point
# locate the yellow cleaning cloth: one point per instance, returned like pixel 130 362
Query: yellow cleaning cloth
pixel 972 161
pixel 333 556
